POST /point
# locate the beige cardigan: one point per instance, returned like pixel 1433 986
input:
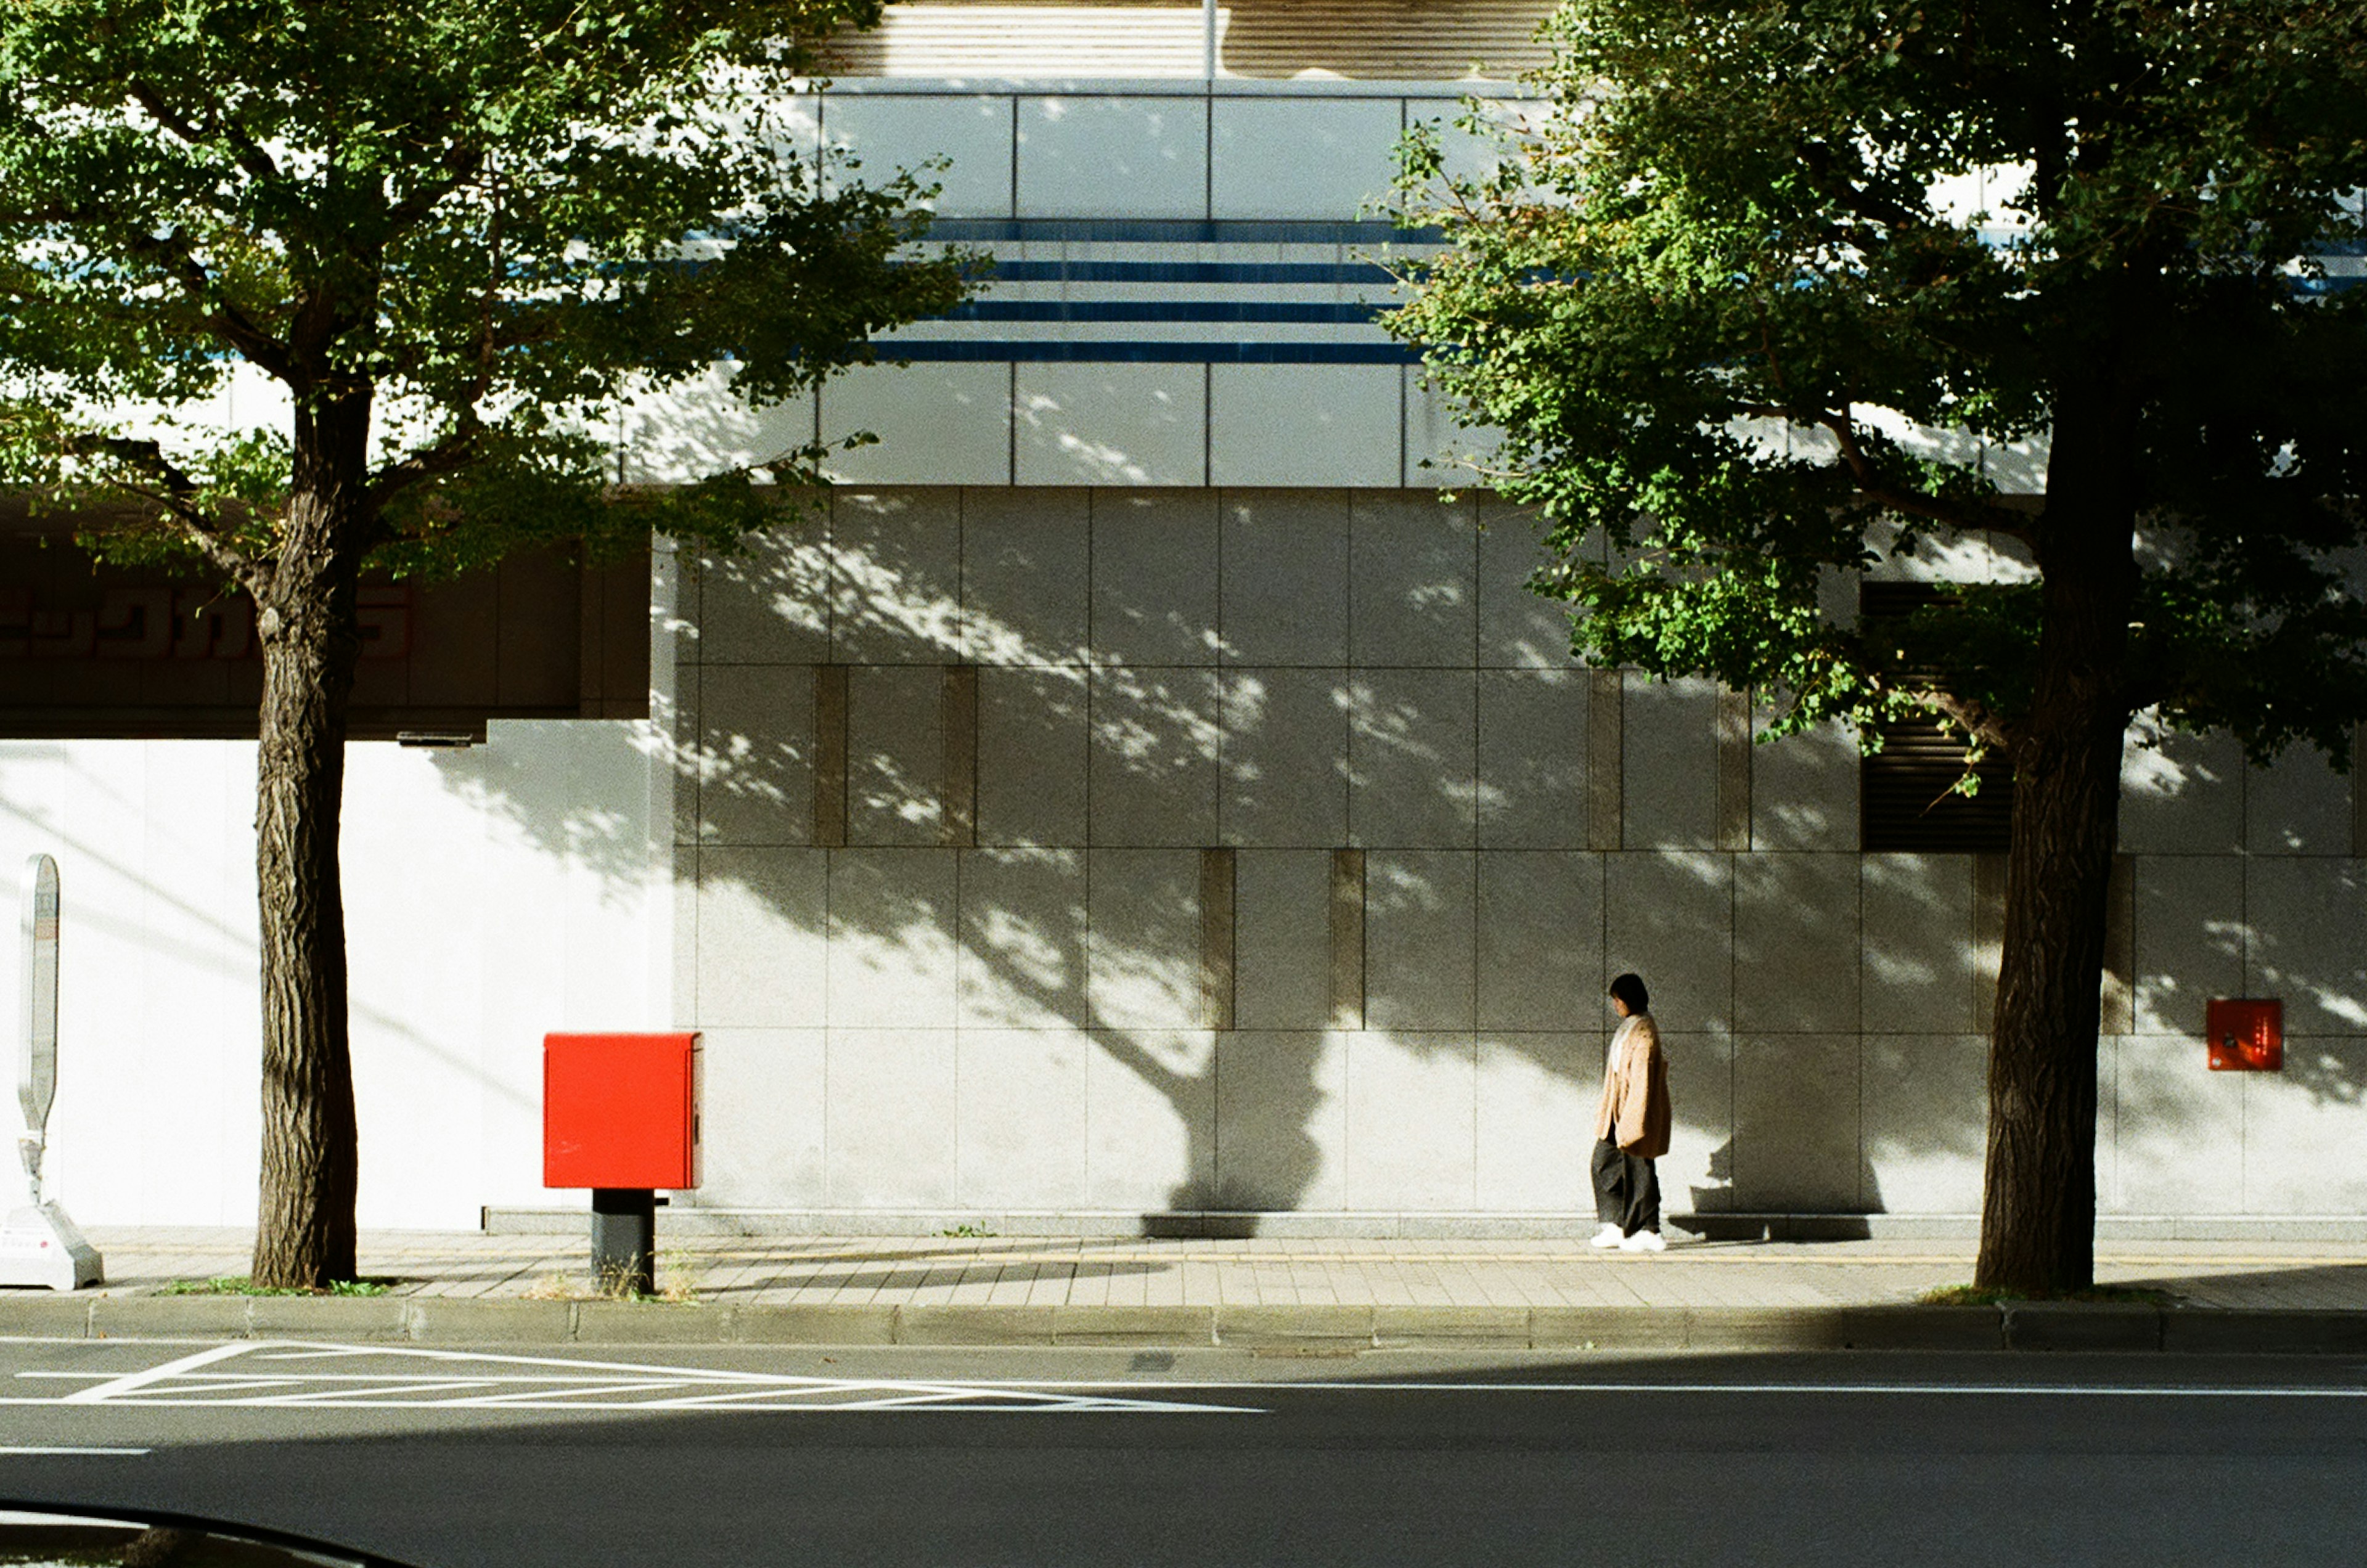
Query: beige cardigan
pixel 1636 1090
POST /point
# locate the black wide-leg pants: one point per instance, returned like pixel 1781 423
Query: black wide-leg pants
pixel 1626 1189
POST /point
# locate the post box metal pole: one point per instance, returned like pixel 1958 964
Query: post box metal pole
pixel 624 1240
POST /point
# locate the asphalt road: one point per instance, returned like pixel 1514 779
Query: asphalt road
pixel 991 1459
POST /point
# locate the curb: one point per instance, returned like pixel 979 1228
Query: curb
pixel 424 1320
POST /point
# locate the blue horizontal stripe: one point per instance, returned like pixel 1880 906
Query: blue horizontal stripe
pixel 1181 231
pixel 1153 353
pixel 1244 311
pixel 1188 272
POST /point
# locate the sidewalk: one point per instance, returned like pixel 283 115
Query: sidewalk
pixel 1016 1290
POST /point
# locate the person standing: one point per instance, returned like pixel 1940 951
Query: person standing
pixel 1631 1127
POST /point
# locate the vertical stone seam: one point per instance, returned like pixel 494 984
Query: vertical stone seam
pixel 1218 938
pixel 2116 1011
pixel 1733 750
pixel 958 791
pixel 1605 760
pixel 2359 791
pixel 1347 921
pixel 830 756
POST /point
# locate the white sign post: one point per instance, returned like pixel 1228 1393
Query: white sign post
pixel 39 1245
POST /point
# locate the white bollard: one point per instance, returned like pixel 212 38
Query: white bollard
pixel 39 1244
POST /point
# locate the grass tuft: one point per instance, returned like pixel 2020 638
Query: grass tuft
pixel 1973 1295
pixel 239 1285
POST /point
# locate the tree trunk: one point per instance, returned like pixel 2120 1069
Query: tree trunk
pixel 2038 1201
pixel 311 638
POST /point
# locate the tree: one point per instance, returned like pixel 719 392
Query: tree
pixel 1760 292
pixel 452 233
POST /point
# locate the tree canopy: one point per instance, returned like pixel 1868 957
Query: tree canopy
pixel 1775 292
pixel 1775 272
pixel 488 218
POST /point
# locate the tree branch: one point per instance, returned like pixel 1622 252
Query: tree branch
pixel 250 157
pixel 1970 516
pixel 261 349
pixel 453 452
pixel 175 489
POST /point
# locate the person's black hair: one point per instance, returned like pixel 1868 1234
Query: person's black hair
pixel 1629 989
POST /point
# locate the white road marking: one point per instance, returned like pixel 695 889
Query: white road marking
pixel 61 1449
pixel 462 1380
pixel 130 1383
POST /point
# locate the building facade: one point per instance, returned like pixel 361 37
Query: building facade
pixel 1134 795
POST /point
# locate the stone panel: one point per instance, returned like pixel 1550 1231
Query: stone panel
pixel 2183 795
pixel 1419 918
pixel 1540 940
pixel 1285 562
pixel 1804 791
pixel 2301 1131
pixel 1143 950
pixel 1412 759
pixel 1282 947
pixel 1020 1116
pixel 1535 1101
pixel 762 1114
pixel 1796 1142
pixel 1285 776
pixel 2189 938
pixel 762 956
pixel 755 756
pixel 1021 963
pixel 1154 577
pixel 1926 1099
pixel 895 583
pixel 1156 746
pixel 1796 943
pixel 1412 584
pixel 1150 1120
pixel 1670 766
pixel 1517 628
pixel 1411 1122
pixel 2307 925
pixel 895 754
pixel 1697 1173
pixel 767 603
pixel 2181 1129
pixel 890 1130
pixel 1670 917
pixel 1025 588
pixel 1533 759
pixel 891 939
pixel 1281 1127
pixel 1920 966
pixel 1032 753
pixel 2297 805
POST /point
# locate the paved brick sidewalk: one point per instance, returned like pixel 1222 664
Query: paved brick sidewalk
pixel 1022 1272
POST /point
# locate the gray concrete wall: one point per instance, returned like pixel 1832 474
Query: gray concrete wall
pixel 1138 850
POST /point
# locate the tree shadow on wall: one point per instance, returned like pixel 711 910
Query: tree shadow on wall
pixel 1088 1063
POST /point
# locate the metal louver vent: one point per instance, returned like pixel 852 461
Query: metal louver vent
pixel 1907 798
pixel 1401 40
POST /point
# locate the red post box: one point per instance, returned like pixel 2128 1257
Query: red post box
pixel 620 1110
pixel 2246 1036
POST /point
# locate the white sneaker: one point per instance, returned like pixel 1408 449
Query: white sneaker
pixel 1644 1241
pixel 1607 1237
